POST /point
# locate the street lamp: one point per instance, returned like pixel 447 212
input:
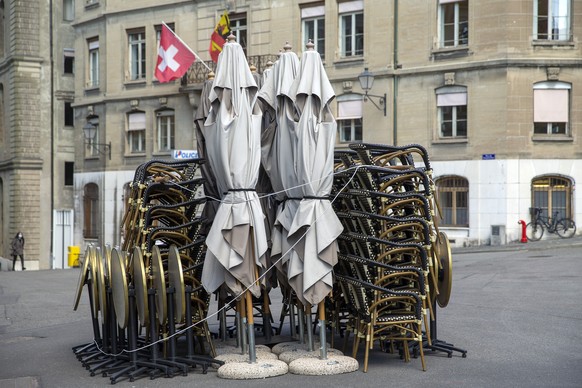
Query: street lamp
pixel 366 81
pixel 90 132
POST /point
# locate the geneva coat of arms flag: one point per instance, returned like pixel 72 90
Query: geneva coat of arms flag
pixel 219 35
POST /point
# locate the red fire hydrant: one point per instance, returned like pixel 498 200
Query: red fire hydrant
pixel 523 235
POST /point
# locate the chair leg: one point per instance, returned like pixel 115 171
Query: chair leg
pixel 369 345
pixel 405 351
pixel 426 317
pixel 419 340
pixel 357 334
pixel 346 339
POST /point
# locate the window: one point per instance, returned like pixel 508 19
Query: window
pixel 68 10
pixel 238 27
pixel 453 198
pixel 165 125
pixel 91 211
pixel 553 194
pixel 93 80
pixel 91 150
pixel 69 114
pixel 136 132
pixel 351 28
pixel 551 108
pixel 452 111
pixel 350 131
pixel 137 55
pixel 69 61
pixel 159 32
pixel 349 117
pixel 69 173
pixel 552 20
pixel 313 21
pixel 454 23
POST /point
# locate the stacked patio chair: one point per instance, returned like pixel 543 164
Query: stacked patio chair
pixel 152 281
pixel 385 272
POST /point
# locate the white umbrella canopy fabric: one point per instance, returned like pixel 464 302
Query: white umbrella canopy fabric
pixel 278 153
pixel 315 226
pixel 210 189
pixel 236 241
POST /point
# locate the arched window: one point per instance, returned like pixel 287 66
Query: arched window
pixel 552 193
pixel 91 211
pixel 453 199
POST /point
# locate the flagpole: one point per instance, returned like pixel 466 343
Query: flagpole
pixel 188 47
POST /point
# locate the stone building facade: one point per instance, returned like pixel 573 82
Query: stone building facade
pixel 491 89
pixel 36 131
pixel 467 80
pixel 24 159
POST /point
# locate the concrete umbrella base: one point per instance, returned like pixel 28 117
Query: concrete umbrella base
pixel 232 349
pixel 237 357
pixel 293 345
pixel 333 365
pixel 258 370
pixel 294 354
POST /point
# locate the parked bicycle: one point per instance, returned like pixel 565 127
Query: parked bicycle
pixel 564 227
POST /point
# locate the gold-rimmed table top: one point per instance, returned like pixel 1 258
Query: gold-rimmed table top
pixel 140 286
pixel 176 280
pixel 119 288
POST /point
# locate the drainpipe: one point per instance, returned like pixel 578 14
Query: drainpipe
pixel 395 78
pixel 52 161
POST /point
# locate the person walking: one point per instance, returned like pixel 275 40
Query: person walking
pixel 18 250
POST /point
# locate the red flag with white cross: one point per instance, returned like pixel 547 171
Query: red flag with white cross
pixel 174 56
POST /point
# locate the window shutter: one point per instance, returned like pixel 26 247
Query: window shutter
pixel 349 110
pixel 551 105
pixel 452 99
pixel 137 121
pixel 311 12
pixel 351 6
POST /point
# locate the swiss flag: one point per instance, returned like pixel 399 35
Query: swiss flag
pixel 174 57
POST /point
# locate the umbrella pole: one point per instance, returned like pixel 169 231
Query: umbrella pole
pixel 300 317
pixel 322 332
pixel 292 316
pixel 223 325
pixel 309 325
pixel 251 327
pixel 241 325
pixel 267 329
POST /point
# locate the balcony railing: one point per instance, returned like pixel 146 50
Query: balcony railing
pixel 197 73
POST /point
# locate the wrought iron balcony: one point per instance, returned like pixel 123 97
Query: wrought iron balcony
pixel 197 73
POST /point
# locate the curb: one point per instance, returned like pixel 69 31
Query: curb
pixel 575 241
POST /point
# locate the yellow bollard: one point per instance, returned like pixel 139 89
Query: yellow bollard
pixel 73 256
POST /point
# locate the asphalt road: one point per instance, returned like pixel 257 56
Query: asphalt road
pixel 515 309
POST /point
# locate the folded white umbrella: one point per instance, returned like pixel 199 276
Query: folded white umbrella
pixel 278 152
pixel 236 241
pixel 315 226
